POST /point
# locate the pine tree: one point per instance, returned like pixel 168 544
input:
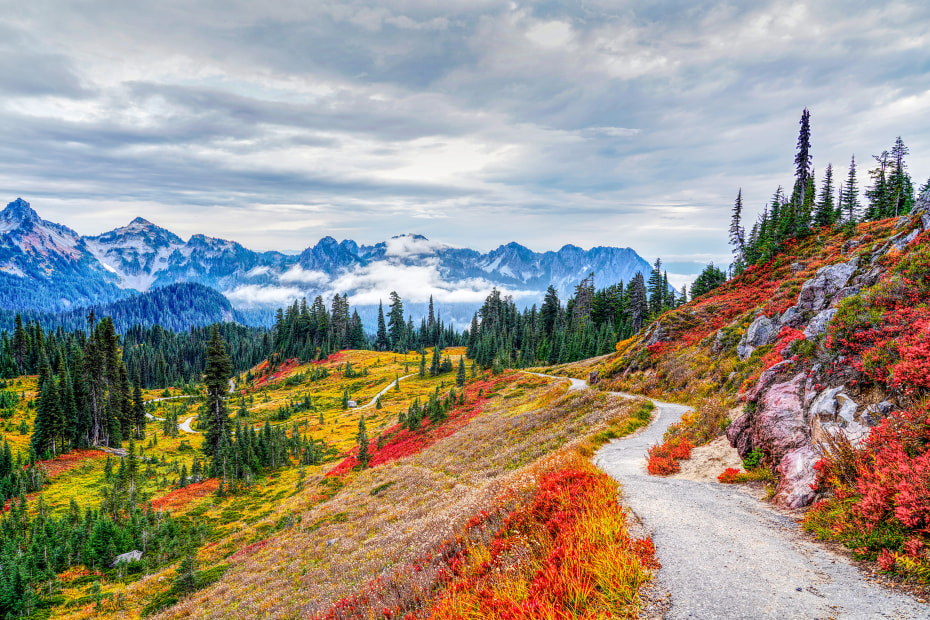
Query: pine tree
pixel 802 160
pixel 737 231
pixel 396 325
pixel 850 200
pixel 216 379
pixel 381 340
pixel 826 209
pixel 460 375
pixel 362 439
pixel 655 287
pixel 900 186
pixel 185 579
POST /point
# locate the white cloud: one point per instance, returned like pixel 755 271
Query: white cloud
pixel 251 295
pixel 304 276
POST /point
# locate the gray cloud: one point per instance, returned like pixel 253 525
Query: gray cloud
pixel 602 123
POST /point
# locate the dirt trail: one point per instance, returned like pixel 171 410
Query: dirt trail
pixel 725 554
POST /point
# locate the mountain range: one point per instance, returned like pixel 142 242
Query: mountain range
pixel 46 266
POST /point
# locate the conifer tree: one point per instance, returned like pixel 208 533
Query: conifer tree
pixel 737 231
pixel 362 439
pixel 381 340
pixel 216 380
pixel 460 375
pixel 826 209
pixel 850 199
pixel 396 325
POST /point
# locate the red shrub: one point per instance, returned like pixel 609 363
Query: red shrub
pixel 729 475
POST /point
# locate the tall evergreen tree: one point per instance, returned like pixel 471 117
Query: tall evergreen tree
pixel 362 439
pixel 802 160
pixel 216 379
pixel 737 231
pixel 381 339
pixel 396 324
pixel 850 199
pixel 826 209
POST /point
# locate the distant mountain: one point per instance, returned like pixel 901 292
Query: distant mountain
pixel 176 307
pixel 48 267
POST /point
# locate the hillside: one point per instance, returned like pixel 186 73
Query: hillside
pixel 824 350
pixel 177 307
pixel 459 500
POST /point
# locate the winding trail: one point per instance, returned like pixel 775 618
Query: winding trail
pixel 726 554
pixel 383 392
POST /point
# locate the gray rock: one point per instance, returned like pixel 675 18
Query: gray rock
pixel 843 293
pixel 791 317
pixel 765 380
pixel 874 414
pixel 761 332
pixel 816 292
pixel 739 436
pixel 130 556
pixel 810 386
pixel 796 267
pixel 902 222
pixel 900 241
pixel 352 404
pixel 925 221
pixel 846 409
pixel 868 278
pixel 656 334
pixel 818 324
pixel 824 406
pixel 778 425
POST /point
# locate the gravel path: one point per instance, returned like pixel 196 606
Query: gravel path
pixel 725 554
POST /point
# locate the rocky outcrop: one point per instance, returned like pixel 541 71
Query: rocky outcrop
pixel 789 410
pixel 762 331
pixel 817 292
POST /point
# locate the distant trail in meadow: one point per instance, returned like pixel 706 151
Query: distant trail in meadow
pixel 725 554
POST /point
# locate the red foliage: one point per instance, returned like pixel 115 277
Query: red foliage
pixel 403 443
pixel 729 475
pixel 65 462
pixel 181 497
pixel 663 458
pixel 281 372
pixel 248 550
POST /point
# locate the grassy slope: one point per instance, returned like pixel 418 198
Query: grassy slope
pixel 294 545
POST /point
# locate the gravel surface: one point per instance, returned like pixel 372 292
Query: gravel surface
pixel 725 554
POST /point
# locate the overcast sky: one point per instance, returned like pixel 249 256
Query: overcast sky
pixel 473 122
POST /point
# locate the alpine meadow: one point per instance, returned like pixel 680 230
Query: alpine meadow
pixel 271 423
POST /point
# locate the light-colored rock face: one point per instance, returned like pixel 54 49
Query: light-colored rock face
pixel 846 409
pixel 761 332
pixel 797 477
pixel 817 292
pixel 779 423
pixel 818 324
pixel 824 406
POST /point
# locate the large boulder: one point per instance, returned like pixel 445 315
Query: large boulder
pixel 779 424
pixel 762 331
pixel 818 324
pixel 817 292
pixel 739 436
pixel 130 556
pixel 797 477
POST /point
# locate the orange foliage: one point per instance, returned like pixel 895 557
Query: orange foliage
pixel 179 498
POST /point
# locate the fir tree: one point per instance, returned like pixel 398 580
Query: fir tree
pixel 737 231
pixel 850 199
pixel 216 380
pixel 381 340
pixel 362 439
pixel 826 209
pixel 460 375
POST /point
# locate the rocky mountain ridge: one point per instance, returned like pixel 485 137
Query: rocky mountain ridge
pixel 67 270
